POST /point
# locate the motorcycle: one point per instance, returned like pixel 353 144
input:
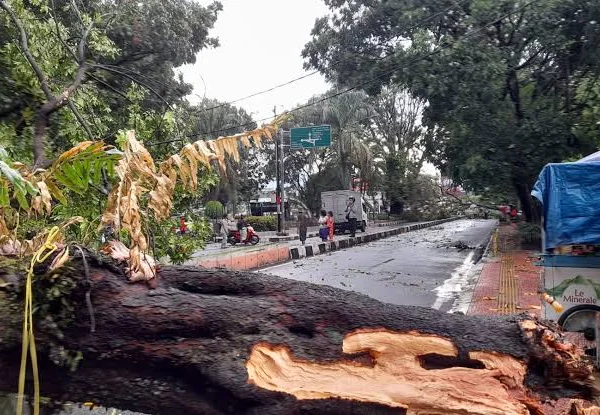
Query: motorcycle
pixel 251 237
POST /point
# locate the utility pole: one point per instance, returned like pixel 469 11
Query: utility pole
pixel 278 198
pixel 282 180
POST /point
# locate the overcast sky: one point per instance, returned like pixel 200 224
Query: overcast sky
pixel 261 42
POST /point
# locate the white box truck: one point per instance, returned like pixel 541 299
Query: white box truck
pixel 336 201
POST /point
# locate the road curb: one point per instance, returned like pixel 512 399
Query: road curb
pixel 487 246
pixel 279 254
pixel 298 252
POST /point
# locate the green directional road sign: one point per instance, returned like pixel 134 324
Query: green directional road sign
pixel 310 137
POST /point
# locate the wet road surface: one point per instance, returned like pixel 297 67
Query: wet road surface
pixel 423 268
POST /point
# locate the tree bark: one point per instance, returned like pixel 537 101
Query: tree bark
pixel 222 342
pixel 523 191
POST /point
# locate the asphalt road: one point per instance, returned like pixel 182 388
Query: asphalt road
pixel 422 268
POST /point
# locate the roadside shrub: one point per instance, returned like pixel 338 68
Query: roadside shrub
pixel 214 209
pixel 263 223
pixel 175 248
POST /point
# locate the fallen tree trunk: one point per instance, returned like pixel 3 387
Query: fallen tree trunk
pixel 222 342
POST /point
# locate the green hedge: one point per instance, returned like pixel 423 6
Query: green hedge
pixel 263 223
pixel 214 209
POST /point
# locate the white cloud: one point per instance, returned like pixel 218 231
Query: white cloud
pixel 261 42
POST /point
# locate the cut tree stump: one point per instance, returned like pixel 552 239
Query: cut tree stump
pixel 206 341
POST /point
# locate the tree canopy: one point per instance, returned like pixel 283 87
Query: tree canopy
pixel 500 79
pixel 82 71
pixel 67 65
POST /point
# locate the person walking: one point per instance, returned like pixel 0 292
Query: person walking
pixel 330 224
pixel 182 225
pixel 224 230
pixel 351 216
pixel 323 231
pixel 302 226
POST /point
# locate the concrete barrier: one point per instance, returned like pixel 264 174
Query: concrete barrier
pixel 262 256
pixel 298 252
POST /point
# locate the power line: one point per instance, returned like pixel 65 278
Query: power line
pixel 307 75
pixel 392 70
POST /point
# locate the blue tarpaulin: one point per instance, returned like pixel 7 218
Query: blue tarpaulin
pixel 592 157
pixel 570 194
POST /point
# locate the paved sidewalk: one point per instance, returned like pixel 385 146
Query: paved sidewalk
pixel 509 281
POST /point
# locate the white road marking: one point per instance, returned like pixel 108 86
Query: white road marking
pixel 453 285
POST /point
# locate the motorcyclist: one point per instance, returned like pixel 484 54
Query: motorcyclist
pixel 242 226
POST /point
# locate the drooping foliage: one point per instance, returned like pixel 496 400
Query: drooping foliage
pixel 142 189
pixel 245 176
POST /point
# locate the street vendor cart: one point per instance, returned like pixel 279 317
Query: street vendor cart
pixel 570 260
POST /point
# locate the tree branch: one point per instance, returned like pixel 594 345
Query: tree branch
pixel 448 193
pixel 58 35
pixel 24 42
pixel 80 119
pixel 529 60
pixel 79 75
pixel 137 81
pixel 515 26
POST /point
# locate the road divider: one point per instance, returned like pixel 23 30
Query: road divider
pixel 264 256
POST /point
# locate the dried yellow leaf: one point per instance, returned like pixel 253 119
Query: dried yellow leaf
pixel 60 259
pixel 45 195
pixel 140 178
pixel 73 151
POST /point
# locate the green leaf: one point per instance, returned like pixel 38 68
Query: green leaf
pixel 96 171
pixel 74 177
pixel 22 199
pixel 4 197
pixel 63 179
pixel 56 193
pixel 82 173
pixel 13 176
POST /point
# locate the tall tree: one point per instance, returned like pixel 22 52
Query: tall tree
pixel 48 60
pixel 348 114
pixel 499 77
pixel 308 172
pixel 399 142
pixel 153 37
